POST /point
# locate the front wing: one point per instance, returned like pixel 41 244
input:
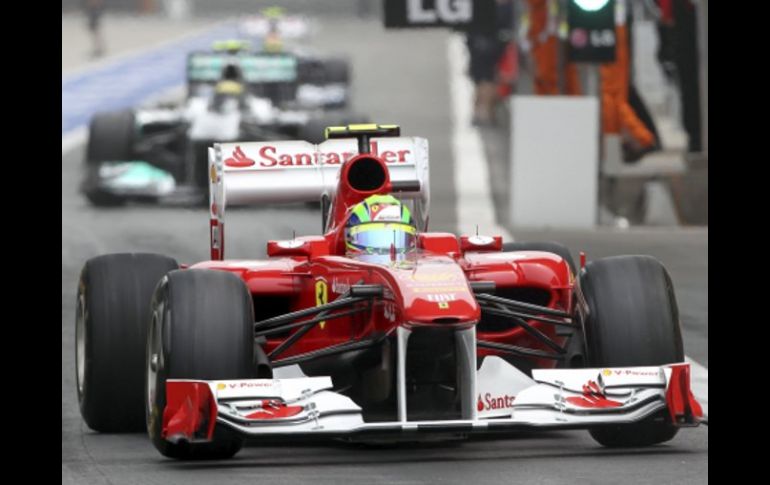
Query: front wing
pixel 307 407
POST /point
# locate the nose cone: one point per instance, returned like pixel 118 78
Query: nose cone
pixel 436 291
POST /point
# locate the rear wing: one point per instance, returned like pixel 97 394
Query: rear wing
pixel 291 27
pixel 205 68
pixel 255 173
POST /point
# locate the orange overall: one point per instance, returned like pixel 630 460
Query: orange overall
pixel 617 115
pixel 545 52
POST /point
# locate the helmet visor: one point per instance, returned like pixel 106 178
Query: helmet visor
pixel 377 237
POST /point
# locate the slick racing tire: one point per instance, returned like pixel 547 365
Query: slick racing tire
pixel 202 327
pixel 314 130
pixel 110 138
pixel 545 246
pixel 113 310
pixel 633 321
pixel 103 198
pixel 337 71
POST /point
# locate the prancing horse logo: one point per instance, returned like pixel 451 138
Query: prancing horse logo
pixel 321 296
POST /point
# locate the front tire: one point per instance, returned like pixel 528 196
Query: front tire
pixel 101 198
pixel 633 321
pixel 113 309
pixel 111 138
pixel 202 328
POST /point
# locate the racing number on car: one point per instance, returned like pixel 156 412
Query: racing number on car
pixel 321 297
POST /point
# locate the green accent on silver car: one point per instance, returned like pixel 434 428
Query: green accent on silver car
pixel 256 68
pixel 136 174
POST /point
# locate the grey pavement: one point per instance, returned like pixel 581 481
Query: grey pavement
pixel 123 34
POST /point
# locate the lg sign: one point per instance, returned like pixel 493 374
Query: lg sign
pixel 439 13
pixel 579 38
pixel 603 38
pixel 446 11
pixel 591 30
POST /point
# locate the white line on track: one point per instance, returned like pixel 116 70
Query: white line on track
pixel 699 383
pixel 472 184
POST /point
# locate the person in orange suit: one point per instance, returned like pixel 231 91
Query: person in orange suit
pixel 572 80
pixel 542 35
pixel 618 117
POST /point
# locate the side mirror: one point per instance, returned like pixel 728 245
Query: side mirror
pixel 289 247
pixel 305 247
pixel 439 242
pixel 481 243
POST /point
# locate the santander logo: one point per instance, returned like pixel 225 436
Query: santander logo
pixel 239 159
pixel 268 157
pixel 490 402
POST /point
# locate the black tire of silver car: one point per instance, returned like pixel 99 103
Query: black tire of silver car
pixel 113 310
pixel 337 71
pixel 103 198
pixel 110 138
pixel 633 321
pixel 202 327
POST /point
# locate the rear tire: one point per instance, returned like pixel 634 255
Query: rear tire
pixel 206 318
pixel 113 310
pixel 337 71
pixel 199 165
pixel 633 321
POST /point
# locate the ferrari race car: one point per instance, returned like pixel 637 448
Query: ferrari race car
pixel 233 94
pixel 377 329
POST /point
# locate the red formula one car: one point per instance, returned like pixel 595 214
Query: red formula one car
pixel 377 329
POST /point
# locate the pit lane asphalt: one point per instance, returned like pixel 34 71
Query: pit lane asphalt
pixel 400 77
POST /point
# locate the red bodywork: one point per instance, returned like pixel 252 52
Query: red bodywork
pixel 428 287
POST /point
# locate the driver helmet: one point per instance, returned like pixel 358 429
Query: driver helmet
pixel 379 223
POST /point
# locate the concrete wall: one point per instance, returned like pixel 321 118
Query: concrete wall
pixel 554 161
